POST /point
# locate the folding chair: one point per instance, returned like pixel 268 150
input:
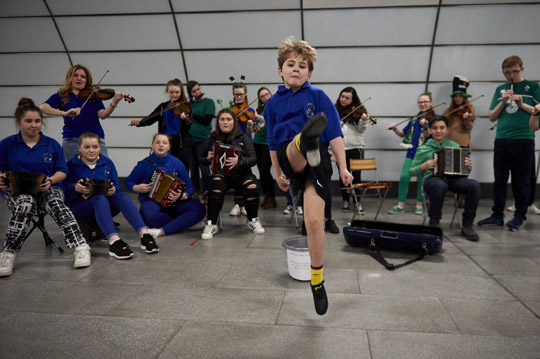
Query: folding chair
pixel 294 215
pixel 39 223
pixel 458 198
pixel 369 164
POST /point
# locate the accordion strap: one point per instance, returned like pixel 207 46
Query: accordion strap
pixel 376 254
pixel 153 164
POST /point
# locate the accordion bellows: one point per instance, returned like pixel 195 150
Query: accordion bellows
pixel 162 185
pixel 96 186
pixel 221 153
pixel 23 182
pixel 451 162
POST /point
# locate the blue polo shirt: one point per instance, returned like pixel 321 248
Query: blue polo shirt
pixel 87 121
pixel 286 113
pixel 45 157
pixel 172 122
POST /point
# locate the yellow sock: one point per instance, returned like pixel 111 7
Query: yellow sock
pixel 297 142
pixel 316 275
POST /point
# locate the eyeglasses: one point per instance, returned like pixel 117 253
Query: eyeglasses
pixel 238 94
pixel 513 72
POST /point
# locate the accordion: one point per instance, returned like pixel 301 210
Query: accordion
pixel 451 162
pixel 23 182
pixel 221 153
pixel 164 183
pixel 96 187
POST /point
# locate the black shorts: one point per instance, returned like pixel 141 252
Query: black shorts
pixel 320 176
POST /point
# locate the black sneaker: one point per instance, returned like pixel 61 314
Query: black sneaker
pixel 331 226
pixel 319 298
pixel 149 244
pixel 304 230
pixel 120 250
pixel 309 140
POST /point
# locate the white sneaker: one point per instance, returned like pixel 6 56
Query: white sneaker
pixel 209 230
pixel 534 209
pixel 243 211
pixel 7 259
pixel 512 208
pixel 154 232
pixel 287 209
pixel 82 256
pixel 299 211
pixel 235 211
pixel 255 226
pixel 359 209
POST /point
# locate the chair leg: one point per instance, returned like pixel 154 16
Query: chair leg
pixel 457 200
pixel 381 202
pixel 294 215
pixel 40 224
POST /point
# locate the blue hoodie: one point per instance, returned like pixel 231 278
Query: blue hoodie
pixel 104 169
pixel 142 173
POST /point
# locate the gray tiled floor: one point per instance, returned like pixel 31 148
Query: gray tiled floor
pixel 232 297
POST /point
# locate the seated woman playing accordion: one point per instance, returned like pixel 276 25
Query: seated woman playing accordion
pixel 179 211
pixel 231 169
pixel 31 151
pixel 93 193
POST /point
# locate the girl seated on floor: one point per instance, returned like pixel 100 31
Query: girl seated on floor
pixel 102 207
pixel 184 212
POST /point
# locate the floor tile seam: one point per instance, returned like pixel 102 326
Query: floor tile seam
pixel 455 334
pixel 450 315
pixel 324 325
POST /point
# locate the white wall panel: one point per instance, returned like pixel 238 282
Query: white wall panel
pixel 237 30
pixel 481 63
pixel 23 8
pixel 459 2
pixel 489 24
pixel 218 66
pixel 209 5
pixel 133 67
pixel 407 26
pixel 125 159
pixel 66 7
pixel 371 64
pixel 10 96
pixel 44 36
pixel 94 33
pixel 33 69
pixel 308 4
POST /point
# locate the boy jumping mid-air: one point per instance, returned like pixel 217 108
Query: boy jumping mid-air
pixel 302 121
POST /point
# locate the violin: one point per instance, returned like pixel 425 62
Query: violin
pixel 180 107
pixel 95 92
pixel 354 112
pixel 242 113
pixel 462 110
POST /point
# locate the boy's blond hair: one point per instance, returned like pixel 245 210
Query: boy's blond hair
pixel 302 48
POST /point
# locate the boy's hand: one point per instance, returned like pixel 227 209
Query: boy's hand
pixel 346 177
pixel 283 183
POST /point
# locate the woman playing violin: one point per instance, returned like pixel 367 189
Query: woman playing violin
pixel 78 119
pixel 241 109
pixel 460 114
pixel 353 127
pixel 174 120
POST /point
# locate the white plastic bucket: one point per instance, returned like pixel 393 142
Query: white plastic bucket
pixel 298 259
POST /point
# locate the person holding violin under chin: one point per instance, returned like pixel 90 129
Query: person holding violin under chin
pixel 354 123
pixel 245 116
pixel 174 120
pixel 81 109
pixel 460 114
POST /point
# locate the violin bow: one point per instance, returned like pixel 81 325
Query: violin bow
pixel 460 107
pixel 154 114
pixel 94 89
pixel 419 115
pixel 354 110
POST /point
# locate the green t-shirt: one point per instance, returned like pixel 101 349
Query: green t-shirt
pixel 261 138
pixel 199 132
pixel 513 123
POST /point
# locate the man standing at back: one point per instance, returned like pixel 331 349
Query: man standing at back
pixel 512 105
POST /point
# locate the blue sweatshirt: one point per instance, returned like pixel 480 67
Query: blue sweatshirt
pixel 142 173
pixel 286 113
pixel 104 169
pixel 45 157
